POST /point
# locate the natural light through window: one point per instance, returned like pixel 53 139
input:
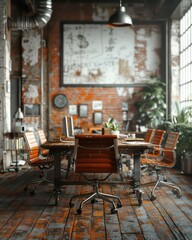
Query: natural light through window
pixel 186 59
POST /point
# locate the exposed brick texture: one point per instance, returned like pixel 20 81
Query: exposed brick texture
pixel 112 98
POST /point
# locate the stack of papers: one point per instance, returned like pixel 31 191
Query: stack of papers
pixel 121 135
pixel 134 142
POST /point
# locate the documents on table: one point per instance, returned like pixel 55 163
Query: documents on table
pixel 134 143
pixel 66 141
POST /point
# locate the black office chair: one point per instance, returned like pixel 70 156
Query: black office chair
pixel 96 154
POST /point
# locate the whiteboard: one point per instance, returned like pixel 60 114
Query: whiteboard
pixel 96 54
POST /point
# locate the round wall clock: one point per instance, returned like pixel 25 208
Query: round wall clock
pixel 60 101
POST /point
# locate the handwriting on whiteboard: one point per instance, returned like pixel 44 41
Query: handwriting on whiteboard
pixel 98 54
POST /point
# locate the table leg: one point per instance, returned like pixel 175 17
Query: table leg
pixel 16 162
pixel 137 178
pixel 57 176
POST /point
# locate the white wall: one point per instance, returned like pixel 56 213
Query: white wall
pixel 5 65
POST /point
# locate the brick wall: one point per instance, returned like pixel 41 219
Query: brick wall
pixel 112 98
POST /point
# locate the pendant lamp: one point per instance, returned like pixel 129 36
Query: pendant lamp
pixel 120 18
pixel 19 114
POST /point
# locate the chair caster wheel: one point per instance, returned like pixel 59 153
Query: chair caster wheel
pixel 119 205
pixel 71 204
pixel 57 195
pixel 79 211
pixel 153 197
pixel 179 195
pixel 33 192
pixel 56 201
pixel 177 192
pixel 94 201
pixel 113 210
pixel 139 195
pixel 140 199
pixel 174 191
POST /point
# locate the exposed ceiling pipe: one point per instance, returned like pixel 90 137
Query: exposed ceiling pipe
pixel 39 20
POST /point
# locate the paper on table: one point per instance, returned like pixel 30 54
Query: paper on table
pixel 134 142
pixel 121 135
pixel 66 141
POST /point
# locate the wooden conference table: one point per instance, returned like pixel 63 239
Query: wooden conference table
pixel 135 147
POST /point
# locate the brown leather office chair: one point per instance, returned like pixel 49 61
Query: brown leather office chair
pixel 34 160
pixel 45 152
pixel 128 160
pixel 96 154
pixel 148 135
pixel 157 137
pixel 166 160
pixel 42 139
pixel 156 140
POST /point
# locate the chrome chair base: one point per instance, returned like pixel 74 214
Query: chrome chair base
pixel 42 178
pixel 93 196
pixel 176 190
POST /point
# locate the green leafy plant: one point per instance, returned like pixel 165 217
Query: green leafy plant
pixel 151 104
pixel 182 115
pixel 111 124
pixel 181 122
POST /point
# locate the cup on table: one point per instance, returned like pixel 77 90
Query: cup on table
pixel 131 135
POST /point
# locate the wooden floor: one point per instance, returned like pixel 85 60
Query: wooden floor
pixel 36 217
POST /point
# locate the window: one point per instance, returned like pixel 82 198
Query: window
pixel 186 59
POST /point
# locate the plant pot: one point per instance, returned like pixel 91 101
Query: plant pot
pixel 115 133
pixel 107 131
pixel 186 163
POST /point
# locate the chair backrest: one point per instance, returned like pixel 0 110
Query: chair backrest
pixel 171 141
pixel 32 146
pixel 42 137
pixel 96 154
pixel 148 135
pixel 169 155
pixel 157 137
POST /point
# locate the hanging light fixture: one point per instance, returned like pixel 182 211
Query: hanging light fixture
pixel 19 114
pixel 120 18
pixel 18 120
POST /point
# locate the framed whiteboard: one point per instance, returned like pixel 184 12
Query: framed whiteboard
pixel 94 54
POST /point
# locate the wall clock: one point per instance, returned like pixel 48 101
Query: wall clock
pixel 60 101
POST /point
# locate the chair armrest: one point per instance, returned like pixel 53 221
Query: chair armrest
pixel 168 151
pixel 32 149
pixel 155 153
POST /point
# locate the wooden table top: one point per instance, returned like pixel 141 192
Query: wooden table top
pixel 132 143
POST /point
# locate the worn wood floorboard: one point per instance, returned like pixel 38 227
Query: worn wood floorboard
pixel 23 216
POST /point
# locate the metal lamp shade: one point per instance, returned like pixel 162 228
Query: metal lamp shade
pixel 120 18
pixel 19 114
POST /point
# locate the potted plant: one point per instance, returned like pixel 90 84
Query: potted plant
pixel 182 122
pixel 113 126
pixel 150 104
